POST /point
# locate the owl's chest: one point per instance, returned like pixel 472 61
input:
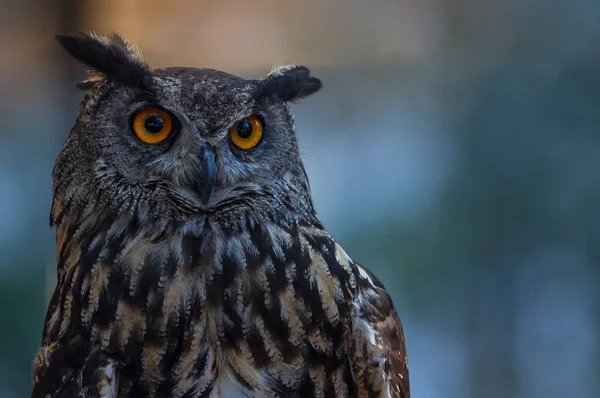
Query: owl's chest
pixel 232 334
pixel 228 330
pixel 255 314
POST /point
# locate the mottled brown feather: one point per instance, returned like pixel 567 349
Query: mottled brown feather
pixel 382 366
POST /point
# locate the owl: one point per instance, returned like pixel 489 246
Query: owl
pixel 190 259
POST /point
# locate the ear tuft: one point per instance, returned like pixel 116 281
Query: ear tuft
pixel 290 82
pixel 109 58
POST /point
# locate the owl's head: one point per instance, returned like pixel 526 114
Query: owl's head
pixel 179 142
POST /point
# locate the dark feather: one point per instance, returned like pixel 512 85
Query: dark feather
pixel 290 83
pixel 112 57
pixel 84 372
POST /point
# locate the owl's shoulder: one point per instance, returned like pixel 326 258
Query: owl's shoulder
pixel 378 351
pixel 67 369
pixel 374 334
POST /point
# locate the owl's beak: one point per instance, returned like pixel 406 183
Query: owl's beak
pixel 208 175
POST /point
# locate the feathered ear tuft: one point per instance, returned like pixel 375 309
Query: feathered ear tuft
pixel 109 58
pixel 290 82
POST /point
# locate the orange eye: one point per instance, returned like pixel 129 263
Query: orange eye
pixel 246 133
pixel 152 125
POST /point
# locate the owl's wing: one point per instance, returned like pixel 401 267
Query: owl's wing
pixel 59 372
pixel 377 350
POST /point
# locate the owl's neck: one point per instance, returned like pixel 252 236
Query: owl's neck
pixel 111 197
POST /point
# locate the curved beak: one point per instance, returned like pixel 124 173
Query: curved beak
pixel 208 175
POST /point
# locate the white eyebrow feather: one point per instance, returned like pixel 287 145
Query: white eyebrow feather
pixel 279 69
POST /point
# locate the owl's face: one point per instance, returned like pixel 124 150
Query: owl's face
pixel 203 131
pixel 203 136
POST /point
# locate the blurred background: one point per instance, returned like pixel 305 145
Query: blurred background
pixel 454 149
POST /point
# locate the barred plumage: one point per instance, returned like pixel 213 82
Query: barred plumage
pixel 160 294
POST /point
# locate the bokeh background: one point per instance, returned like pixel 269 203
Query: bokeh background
pixel 454 149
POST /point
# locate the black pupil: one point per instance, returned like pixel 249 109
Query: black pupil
pixel 153 124
pixel 244 129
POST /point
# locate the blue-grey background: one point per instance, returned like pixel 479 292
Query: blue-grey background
pixel 454 149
